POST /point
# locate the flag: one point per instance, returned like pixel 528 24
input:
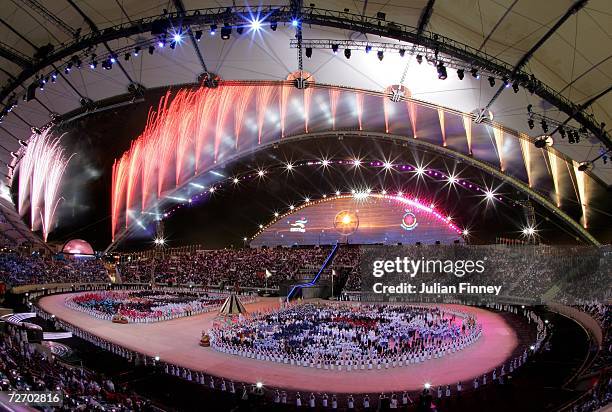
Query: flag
pixel 268 274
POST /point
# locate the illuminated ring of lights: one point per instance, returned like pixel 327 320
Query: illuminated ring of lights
pixel 403 167
pixel 485 167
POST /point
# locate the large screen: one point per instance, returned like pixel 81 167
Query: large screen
pixel 367 219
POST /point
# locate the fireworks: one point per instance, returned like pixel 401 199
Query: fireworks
pixel 193 130
pixel 40 174
pixel 183 137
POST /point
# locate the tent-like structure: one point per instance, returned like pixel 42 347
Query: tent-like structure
pixel 232 307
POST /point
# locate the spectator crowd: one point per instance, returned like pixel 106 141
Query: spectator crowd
pixel 18 270
pixel 25 368
pixel 246 267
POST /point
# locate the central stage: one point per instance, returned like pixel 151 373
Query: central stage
pixel 177 341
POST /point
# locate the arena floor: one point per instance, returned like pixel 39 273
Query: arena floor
pixel 176 341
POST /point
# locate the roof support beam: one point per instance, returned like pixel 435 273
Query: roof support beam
pixel 180 8
pixel 502 18
pixel 579 4
pixel 9 133
pixel 422 25
pixel 425 16
pixel 14 56
pixel 68 82
pixel 587 71
pixel 50 17
pixel 22 119
pixel 21 36
pixel 5 149
pixel 324 18
pixel 94 29
pixel 582 107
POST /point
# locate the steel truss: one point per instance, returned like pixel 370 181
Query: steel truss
pixel 241 15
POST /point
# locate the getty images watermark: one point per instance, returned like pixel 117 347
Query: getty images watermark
pixel 423 272
pixel 530 275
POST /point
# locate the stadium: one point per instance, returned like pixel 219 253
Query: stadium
pixel 352 206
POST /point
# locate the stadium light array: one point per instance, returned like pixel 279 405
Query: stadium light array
pixel 529 231
pixel 255 24
pixel 177 37
pixel 441 176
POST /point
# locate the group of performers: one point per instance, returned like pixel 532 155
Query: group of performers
pixel 348 337
pixel 144 306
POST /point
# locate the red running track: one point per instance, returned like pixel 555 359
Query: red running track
pixel 176 341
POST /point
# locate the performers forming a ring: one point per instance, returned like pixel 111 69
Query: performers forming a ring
pixel 349 337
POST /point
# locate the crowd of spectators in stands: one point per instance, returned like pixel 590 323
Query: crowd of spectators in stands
pixel 597 398
pixel 537 272
pixel 17 270
pixel 247 267
pixel 602 313
pixel 347 263
pixel 23 368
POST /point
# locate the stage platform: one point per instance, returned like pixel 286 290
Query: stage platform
pixel 176 341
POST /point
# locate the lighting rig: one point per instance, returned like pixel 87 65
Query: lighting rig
pixel 440 51
pixel 604 155
pixel 550 127
pixel 422 54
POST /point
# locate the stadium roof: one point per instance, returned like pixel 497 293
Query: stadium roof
pixel 12 230
pixel 564 45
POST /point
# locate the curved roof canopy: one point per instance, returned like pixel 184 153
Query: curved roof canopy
pixel 559 51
